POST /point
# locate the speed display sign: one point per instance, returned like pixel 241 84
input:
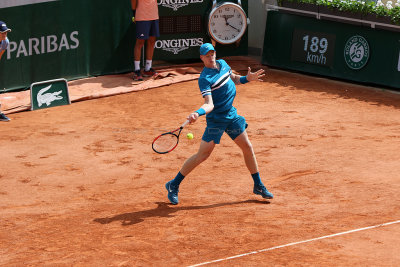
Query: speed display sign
pixel 313 47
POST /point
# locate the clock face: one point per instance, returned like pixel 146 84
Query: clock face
pixel 227 23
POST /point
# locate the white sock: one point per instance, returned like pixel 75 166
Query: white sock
pixel 137 65
pixel 148 65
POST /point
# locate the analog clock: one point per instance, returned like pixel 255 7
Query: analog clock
pixel 227 22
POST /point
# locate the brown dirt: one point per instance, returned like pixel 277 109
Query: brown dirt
pixel 80 185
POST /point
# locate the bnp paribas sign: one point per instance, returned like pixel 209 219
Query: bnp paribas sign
pixel 13 3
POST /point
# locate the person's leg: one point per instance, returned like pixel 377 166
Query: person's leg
pixel 150 47
pixel 202 154
pixel 154 32
pixel 243 142
pixel 142 34
pixel 137 52
pixel 250 159
pixel 211 136
pixel 137 75
pixel 148 70
pixel 237 132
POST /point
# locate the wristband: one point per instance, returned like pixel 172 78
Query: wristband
pixel 243 80
pixel 201 111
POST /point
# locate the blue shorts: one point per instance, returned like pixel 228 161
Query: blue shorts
pixel 233 128
pixel 147 28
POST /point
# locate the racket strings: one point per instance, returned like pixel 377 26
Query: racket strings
pixel 165 143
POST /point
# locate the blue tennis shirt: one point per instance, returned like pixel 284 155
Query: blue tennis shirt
pixel 218 84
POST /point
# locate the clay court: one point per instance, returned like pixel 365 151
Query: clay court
pixel 81 186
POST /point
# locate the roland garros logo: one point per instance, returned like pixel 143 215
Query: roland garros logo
pixel 356 52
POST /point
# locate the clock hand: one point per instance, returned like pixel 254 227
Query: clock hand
pixel 232 27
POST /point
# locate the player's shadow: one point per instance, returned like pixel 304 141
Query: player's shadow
pixel 164 210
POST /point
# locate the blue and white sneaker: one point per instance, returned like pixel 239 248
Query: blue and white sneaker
pixel 261 190
pixel 172 193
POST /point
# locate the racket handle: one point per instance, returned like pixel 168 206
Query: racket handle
pixel 185 123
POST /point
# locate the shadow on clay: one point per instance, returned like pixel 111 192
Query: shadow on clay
pixel 165 210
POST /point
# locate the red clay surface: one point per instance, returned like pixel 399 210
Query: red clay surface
pixel 81 186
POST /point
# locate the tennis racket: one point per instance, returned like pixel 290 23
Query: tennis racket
pixel 167 142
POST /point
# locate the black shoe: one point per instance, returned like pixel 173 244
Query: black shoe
pixel 4 117
pixel 137 75
pixel 149 73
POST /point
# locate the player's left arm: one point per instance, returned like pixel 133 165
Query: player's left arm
pixel 251 76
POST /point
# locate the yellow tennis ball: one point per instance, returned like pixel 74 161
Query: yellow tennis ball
pixel 189 136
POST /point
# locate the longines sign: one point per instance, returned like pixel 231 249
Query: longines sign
pixel 176 46
pixel 176 4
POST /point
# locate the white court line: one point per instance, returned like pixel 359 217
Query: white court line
pixel 296 243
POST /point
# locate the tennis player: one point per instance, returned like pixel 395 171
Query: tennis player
pixel 218 87
pixel 3 46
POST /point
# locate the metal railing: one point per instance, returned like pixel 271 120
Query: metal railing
pixel 318 15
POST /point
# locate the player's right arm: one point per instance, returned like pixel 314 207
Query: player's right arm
pixel 208 106
pixel 1 53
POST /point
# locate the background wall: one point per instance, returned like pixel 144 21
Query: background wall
pixel 73 39
pixel 68 39
pixel 258 17
pixel 332 49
